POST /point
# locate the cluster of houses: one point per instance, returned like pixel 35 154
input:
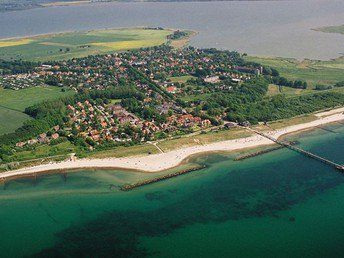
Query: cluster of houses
pixel 19 81
pixel 41 139
pixel 188 121
pixel 164 62
pixel 87 73
pixel 143 68
pixel 101 123
pixel 124 116
pixel 157 64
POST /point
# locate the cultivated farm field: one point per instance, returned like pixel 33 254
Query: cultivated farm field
pixel 69 45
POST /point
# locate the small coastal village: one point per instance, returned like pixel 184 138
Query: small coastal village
pixel 144 96
pixel 159 64
pixel 157 77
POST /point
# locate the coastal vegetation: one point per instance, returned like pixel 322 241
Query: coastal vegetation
pixel 331 29
pixel 312 71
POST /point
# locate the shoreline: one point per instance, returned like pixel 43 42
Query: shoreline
pixel 168 160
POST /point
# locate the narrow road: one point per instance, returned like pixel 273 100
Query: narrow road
pixel 156 145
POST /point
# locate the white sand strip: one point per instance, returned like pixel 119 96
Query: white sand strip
pixel 162 161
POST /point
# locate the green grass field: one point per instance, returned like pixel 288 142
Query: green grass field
pixel 11 120
pixel 13 103
pixel 21 99
pixel 312 71
pixel 80 44
pixel 288 91
pixel 181 79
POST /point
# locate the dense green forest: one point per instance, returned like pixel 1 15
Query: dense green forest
pixel 250 103
pixel 16 67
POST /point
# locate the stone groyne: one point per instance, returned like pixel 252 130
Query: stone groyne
pixel 129 187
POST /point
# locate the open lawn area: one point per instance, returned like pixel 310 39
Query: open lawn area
pixel 13 104
pixel 80 44
pixel 10 120
pixel 288 91
pixel 181 79
pixel 18 100
pixel 313 71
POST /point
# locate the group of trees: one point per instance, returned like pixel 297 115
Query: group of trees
pixel 339 84
pixel 17 66
pixel 322 87
pixel 282 81
pixel 281 107
pixel 234 102
pixel 178 35
pixel 147 113
pixel 249 103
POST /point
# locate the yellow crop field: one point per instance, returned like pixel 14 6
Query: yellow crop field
pixel 11 43
pixel 121 45
pixel 63 46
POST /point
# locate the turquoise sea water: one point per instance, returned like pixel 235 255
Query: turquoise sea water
pixel 280 204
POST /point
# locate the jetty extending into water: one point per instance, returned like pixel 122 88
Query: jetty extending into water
pixel 129 187
pixel 251 155
pixel 304 152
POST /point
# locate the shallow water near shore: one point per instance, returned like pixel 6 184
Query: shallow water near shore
pixel 280 204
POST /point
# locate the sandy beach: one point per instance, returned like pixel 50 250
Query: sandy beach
pixel 163 161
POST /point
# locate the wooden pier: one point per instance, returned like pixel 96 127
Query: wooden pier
pixel 299 150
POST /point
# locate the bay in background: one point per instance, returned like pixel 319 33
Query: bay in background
pixel 273 28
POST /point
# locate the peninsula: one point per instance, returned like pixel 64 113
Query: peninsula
pixel 140 99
